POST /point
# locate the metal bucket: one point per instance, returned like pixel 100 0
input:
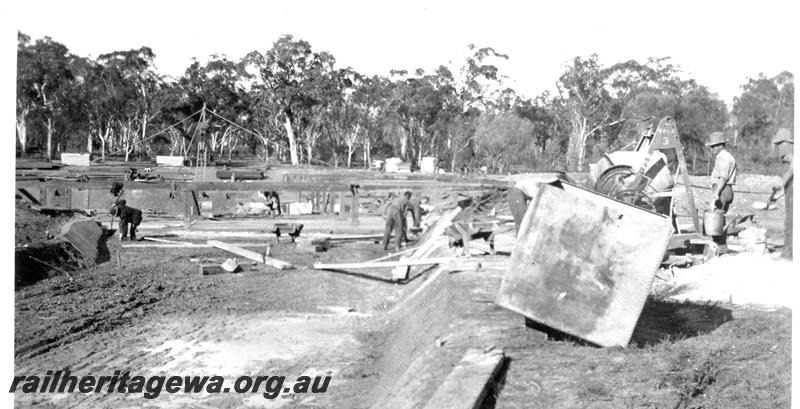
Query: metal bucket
pixel 714 222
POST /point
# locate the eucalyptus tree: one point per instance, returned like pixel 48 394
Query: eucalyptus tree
pixel 286 85
pixel 43 80
pixel 130 80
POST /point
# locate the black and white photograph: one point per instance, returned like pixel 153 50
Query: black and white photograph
pixel 400 205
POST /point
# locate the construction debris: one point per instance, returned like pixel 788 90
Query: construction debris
pixel 165 241
pixel 230 265
pixel 381 264
pixel 252 255
pixel 430 240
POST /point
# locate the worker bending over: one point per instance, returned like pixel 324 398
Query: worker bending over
pixel 395 214
pixel 127 216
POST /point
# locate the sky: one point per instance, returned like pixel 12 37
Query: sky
pixel 720 44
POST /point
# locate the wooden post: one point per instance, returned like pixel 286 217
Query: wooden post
pixel 341 206
pixel 354 206
pixel 688 187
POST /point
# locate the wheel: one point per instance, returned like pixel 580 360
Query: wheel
pixel 613 179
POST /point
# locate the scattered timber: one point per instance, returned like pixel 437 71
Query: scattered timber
pixel 428 245
pixel 381 264
pixel 252 255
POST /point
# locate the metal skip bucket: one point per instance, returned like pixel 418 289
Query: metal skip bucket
pixel 714 222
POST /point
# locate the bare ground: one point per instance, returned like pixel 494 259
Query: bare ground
pixel 156 315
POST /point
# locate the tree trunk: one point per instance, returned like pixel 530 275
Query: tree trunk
pixel 287 123
pixel 144 122
pixel 350 154
pixel 404 145
pixel 576 150
pixel 22 131
pixel 49 138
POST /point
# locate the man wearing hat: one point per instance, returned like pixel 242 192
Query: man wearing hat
pixel 784 147
pixel 127 216
pixel 723 177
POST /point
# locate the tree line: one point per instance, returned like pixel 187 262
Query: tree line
pixel 291 103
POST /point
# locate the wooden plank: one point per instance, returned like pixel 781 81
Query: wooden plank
pixel 165 241
pixel 382 264
pixel 185 246
pixel 24 193
pixel 356 237
pixel 436 230
pixel 195 205
pixel 242 174
pixel 689 195
pixel 469 382
pixel 583 264
pixel 401 272
pixel 252 255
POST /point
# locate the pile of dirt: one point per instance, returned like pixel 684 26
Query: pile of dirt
pixel 31 226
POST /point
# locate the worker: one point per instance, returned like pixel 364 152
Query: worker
pixel 784 147
pixel 395 215
pixel 723 177
pixel 127 216
pixel 273 203
pixel 524 190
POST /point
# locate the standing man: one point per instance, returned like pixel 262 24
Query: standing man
pixel 519 197
pixel 784 146
pixel 127 216
pixel 524 190
pixel 395 215
pixel 723 177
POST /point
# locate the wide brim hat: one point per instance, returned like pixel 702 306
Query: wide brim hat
pixel 783 135
pixel 716 138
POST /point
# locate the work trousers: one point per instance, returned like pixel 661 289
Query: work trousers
pixel 395 220
pixel 518 204
pixel 125 227
pixel 416 215
pixel 723 203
